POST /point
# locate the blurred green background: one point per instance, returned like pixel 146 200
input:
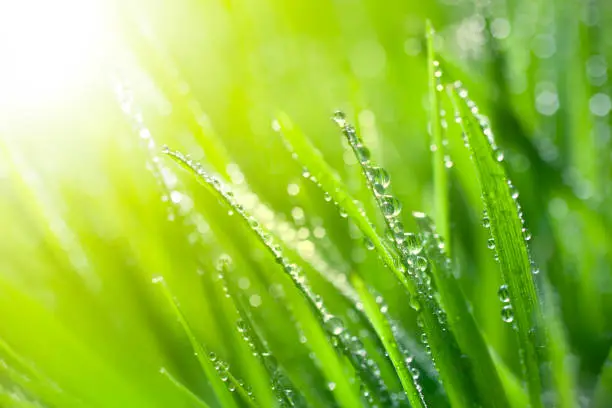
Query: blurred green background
pixel 90 212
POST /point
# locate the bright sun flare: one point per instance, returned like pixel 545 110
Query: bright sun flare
pixel 48 48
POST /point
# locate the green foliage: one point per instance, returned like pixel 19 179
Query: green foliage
pixel 272 257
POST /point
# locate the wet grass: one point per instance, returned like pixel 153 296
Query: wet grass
pixel 440 241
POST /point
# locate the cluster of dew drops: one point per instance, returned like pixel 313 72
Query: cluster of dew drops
pixel 380 181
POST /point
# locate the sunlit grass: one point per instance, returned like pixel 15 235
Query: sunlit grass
pixel 293 263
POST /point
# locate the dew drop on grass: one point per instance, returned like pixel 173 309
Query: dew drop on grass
pixel 368 243
pixel 499 156
pixel 507 314
pixel 331 386
pixel 157 279
pixel 412 243
pixel 491 243
pixel 334 325
pixel 363 154
pixel 391 207
pixel 340 118
pixel 380 177
pixel 421 263
pixel 486 222
pixel 504 294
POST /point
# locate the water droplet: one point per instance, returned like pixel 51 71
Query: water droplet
pixel 331 386
pixel 391 207
pixel 507 314
pixel 412 242
pixel 499 156
pixel 293 189
pixel 335 326
pixel 504 293
pixel 491 243
pixel 157 279
pixel 368 243
pixel 486 222
pixel 421 263
pixel 362 153
pixel 224 262
pixel 340 118
pixel 380 180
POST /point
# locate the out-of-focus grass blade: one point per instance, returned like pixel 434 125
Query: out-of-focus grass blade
pixel 223 395
pixel 603 390
pixel 196 400
pixel 383 329
pixel 286 393
pixel 441 198
pixel 334 370
pixel 460 318
pixel 30 379
pixel 517 396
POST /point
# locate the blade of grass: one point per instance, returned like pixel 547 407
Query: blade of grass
pixel 460 318
pixel 31 379
pixel 509 238
pixel 603 390
pixel 223 395
pixel 285 391
pixel 333 369
pixel 439 166
pixel 383 329
pixel 545 329
pixel 186 391
pixel 459 387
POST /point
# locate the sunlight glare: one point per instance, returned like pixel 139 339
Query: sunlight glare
pixel 48 49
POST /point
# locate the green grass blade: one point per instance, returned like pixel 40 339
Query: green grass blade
pixel 441 198
pixel 517 396
pixel 508 238
pixel 186 391
pixel 286 393
pixel 603 390
pixel 445 352
pixel 219 387
pixel 539 330
pixel 383 329
pixel 32 380
pixel 330 183
pixel 333 369
pixel 460 318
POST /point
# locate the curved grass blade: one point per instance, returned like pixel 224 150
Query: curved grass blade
pixel 186 391
pixel 508 238
pixel 223 395
pixel 441 341
pixel 517 396
pixel 459 317
pixel 459 387
pixel 383 329
pixel 32 380
pixel 332 325
pixel 287 395
pixel 441 198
